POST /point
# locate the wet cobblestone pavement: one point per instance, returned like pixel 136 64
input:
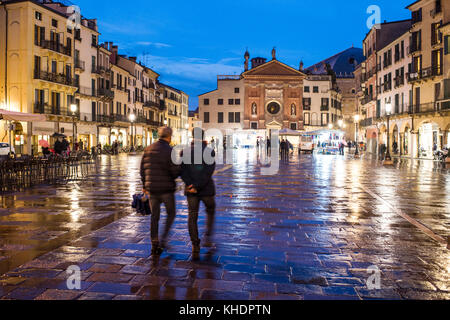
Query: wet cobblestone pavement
pixel 310 232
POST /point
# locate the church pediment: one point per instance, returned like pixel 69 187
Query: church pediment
pixel 274 123
pixel 273 68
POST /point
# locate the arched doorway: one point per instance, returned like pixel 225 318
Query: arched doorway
pixel 405 141
pixel 446 137
pixel 395 140
pixel 429 138
pixel 382 141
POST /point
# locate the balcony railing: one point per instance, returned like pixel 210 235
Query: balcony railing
pixel 103 118
pixel 425 74
pixel 79 64
pixel 324 108
pixel 153 123
pixel 107 93
pixel 366 100
pixel 56 78
pixel 120 118
pixel 103 69
pixel 151 104
pixel 56 46
pixel 44 108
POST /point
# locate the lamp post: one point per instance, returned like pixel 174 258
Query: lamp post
pixel 388 159
pixel 356 135
pixel 73 109
pixel 132 119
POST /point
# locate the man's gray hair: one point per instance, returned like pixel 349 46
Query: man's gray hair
pixel 165 132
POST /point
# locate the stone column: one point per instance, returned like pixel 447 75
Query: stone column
pixel 414 144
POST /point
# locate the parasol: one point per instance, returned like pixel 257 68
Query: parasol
pixel 44 144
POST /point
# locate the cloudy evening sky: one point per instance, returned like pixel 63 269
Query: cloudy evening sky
pixel 190 42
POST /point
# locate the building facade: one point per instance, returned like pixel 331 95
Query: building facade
pixel 223 108
pixel 37 68
pixel 377 38
pixel 394 90
pixel 322 103
pixel 431 109
pixel 273 96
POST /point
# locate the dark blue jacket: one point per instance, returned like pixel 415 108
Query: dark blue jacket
pixel 199 175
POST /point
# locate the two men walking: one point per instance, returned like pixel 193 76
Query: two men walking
pixel 159 174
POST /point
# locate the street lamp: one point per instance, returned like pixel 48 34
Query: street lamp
pixel 330 126
pixel 73 109
pixel 341 123
pixel 388 159
pixel 132 119
pixel 356 135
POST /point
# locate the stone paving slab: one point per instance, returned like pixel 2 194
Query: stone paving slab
pixel 308 233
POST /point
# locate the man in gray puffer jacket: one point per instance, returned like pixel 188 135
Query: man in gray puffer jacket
pixel 158 174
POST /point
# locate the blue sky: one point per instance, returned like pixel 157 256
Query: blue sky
pixel 190 42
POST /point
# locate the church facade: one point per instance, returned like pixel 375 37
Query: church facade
pixel 270 95
pixel 273 95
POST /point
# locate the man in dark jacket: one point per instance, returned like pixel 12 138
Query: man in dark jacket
pixel 158 174
pixel 59 146
pixel 197 173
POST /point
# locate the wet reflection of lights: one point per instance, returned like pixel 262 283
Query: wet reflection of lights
pixel 354 175
pixel 75 210
pixel 323 167
pixel 386 216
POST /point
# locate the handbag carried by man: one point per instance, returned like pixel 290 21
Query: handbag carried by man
pixel 142 204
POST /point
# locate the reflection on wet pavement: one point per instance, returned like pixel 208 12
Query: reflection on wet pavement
pixel 37 220
pixel 310 232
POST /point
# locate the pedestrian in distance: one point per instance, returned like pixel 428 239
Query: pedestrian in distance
pixel 158 174
pixel 283 149
pixel 197 173
pixel 59 146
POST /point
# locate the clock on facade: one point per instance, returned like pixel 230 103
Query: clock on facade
pixel 273 108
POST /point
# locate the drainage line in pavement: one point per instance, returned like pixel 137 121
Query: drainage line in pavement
pixel 411 220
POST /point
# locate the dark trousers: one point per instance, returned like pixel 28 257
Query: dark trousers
pixel 155 204
pixel 194 207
